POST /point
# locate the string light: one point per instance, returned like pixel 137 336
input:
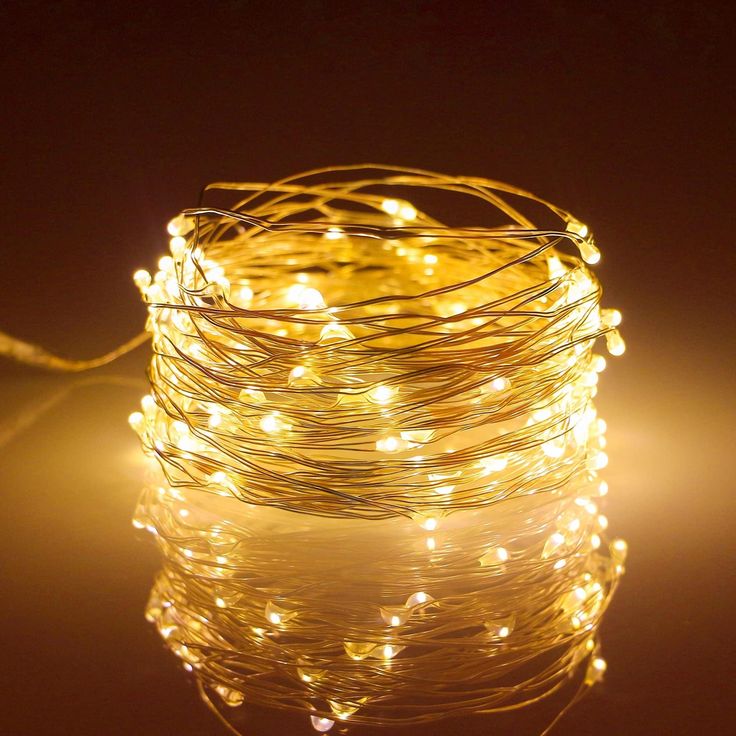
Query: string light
pixel 349 358
pixel 335 369
pixel 422 397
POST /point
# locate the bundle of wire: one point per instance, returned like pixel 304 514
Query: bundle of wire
pixel 389 367
pixel 379 448
pixel 378 445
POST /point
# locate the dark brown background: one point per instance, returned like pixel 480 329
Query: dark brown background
pixel 113 117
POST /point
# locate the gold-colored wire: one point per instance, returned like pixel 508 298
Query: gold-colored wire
pixel 325 348
pixel 35 355
pixel 422 397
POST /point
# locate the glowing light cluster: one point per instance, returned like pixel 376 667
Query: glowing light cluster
pixel 422 397
pixel 404 367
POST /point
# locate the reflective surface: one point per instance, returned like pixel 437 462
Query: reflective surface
pixel 77 575
pixel 625 118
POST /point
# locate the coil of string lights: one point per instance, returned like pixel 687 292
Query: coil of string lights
pixel 328 350
pixel 334 368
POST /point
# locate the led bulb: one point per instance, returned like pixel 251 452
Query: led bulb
pixel 494 556
pixel 553 544
pixel 142 279
pixel 598 363
pixel 321 725
pixel 389 651
pixel 308 673
pixel 500 384
pixel 305 297
pixel 573 226
pixel 391 206
pixel 358 650
pixel 251 395
pixel 335 333
pixel 493 464
pixel 417 599
pixel 344 710
pixel 180 225
pixel 501 628
pixel 277 615
pixel 241 296
pixel 148 405
pixel 334 233
pixel 598 461
pixel 166 264
pixel 272 423
pixel 611 317
pixel 407 212
pixel 303 376
pixel 417 436
pixel 427 522
pixel 553 449
pixel 395 615
pixel 229 696
pixel 596 670
pixel 619 549
pixel 381 394
pixel 390 444
pixel 136 421
pixel 589 252
pixel 177 246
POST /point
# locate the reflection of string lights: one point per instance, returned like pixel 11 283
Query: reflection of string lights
pixel 359 620
pixel 421 396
